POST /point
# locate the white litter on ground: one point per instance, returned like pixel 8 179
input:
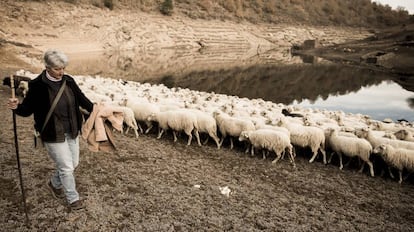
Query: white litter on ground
pixel 225 191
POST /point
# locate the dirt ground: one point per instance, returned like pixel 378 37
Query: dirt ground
pixel 158 185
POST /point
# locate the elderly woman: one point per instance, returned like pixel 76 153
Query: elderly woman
pixel 54 99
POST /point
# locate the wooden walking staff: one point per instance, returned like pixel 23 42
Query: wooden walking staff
pixel 17 153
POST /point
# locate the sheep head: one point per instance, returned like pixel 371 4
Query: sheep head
pixel 244 135
pixel 330 131
pixel 151 117
pixel 401 134
pixel 381 149
pixel 362 132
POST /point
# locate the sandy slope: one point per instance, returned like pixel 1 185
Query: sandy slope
pixel 26 33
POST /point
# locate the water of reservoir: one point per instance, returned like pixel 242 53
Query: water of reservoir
pixel 275 76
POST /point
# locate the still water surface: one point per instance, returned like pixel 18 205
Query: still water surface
pixel 386 100
pixel 274 76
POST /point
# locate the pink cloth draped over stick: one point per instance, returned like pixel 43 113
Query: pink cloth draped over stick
pixel 97 130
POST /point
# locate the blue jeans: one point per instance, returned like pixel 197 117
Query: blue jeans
pixel 66 158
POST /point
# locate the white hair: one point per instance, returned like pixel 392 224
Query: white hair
pixel 54 58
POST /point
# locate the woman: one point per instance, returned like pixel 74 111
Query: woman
pixel 60 131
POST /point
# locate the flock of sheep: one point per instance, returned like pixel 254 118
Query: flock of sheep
pixel 274 129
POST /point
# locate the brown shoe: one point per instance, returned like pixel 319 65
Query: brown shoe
pixel 57 193
pixel 77 205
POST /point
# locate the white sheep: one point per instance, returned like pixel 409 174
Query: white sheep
pixel 350 121
pixel 176 120
pixel 129 118
pixel 23 88
pixel 386 125
pixel 376 140
pixel 271 127
pixel 306 136
pixel 404 134
pixel 390 135
pixel 142 110
pixel 351 147
pixel 398 158
pixel 272 140
pixel 20 88
pixel 319 119
pixel 231 126
pixel 207 124
pixel 97 97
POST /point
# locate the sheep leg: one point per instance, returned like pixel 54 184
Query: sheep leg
pixel 315 153
pixel 190 137
pixel 134 127
pixel 247 144
pixel 136 133
pixel 197 135
pixel 247 149
pixel 362 168
pixel 371 168
pixel 390 171
pixel 292 157
pixel 231 143
pixel 400 172
pixel 161 131
pixel 330 158
pixel 264 154
pixel 148 129
pixel 278 156
pixel 206 141
pixel 283 155
pixel 175 136
pixel 341 166
pixel 140 128
pixel 216 139
pixel 252 151
pixel 323 155
pixel 222 139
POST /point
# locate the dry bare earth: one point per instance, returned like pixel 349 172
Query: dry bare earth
pixel 150 185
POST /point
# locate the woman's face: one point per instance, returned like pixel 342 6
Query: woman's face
pixel 56 72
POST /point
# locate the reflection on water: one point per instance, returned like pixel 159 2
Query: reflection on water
pixel 330 87
pixel 385 100
pixel 274 75
pixel 152 64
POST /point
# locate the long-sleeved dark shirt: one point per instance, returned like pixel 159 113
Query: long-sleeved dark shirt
pixel 39 99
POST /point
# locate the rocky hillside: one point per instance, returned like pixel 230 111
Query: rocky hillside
pixel 329 12
pixel 26 33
